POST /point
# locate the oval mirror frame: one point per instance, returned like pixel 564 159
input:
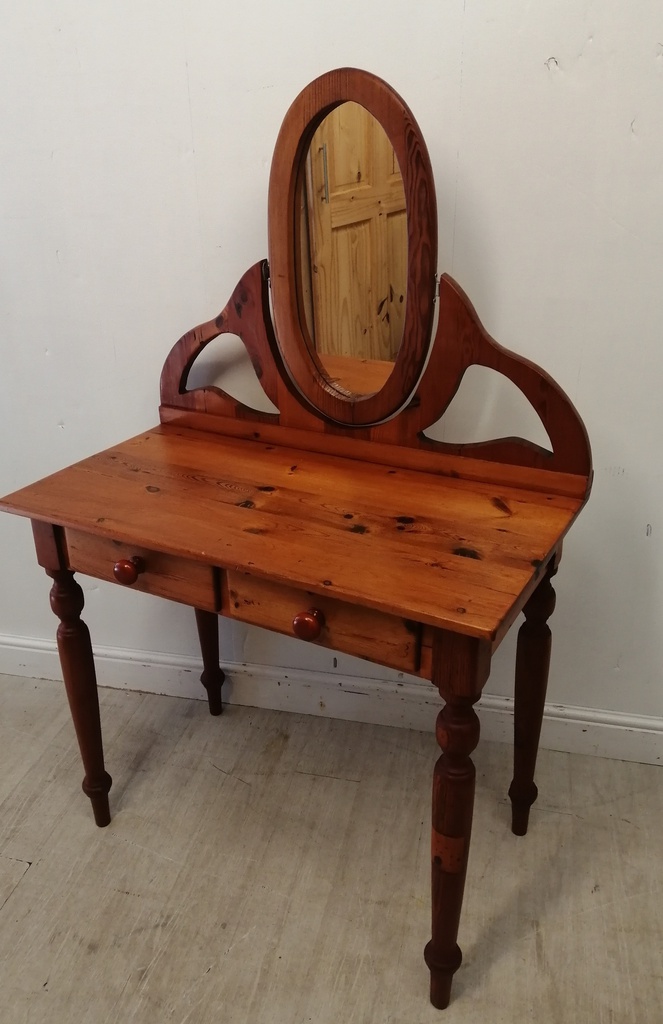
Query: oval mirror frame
pixel 299 125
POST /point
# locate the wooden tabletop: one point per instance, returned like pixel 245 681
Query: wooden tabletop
pixel 452 553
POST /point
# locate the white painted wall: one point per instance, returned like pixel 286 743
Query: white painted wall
pixel 135 143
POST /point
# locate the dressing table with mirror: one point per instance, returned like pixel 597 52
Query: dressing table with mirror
pixel 336 518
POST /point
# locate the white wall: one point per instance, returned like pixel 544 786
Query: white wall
pixel 135 147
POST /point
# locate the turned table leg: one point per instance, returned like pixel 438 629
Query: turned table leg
pixel 532 663
pixel 80 681
pixel 460 668
pixel 213 675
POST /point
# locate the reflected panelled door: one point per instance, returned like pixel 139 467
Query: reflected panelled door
pixel 354 249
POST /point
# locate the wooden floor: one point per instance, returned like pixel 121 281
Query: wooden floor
pixel 267 867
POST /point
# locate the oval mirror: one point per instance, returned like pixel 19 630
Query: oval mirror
pixel 352 250
pixel 352 247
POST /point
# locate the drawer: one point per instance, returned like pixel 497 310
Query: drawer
pixel 363 632
pixel 178 579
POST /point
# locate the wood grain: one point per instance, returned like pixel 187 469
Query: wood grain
pixel 395 453
pixel 462 341
pixel 442 551
pixel 362 632
pixel 178 579
pixel 247 315
pixel 49 545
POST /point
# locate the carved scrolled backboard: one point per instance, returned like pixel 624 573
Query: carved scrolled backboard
pixel 341 399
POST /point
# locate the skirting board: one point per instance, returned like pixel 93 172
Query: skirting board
pixel 411 704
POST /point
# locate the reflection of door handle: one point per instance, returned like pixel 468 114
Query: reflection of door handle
pixel 325 172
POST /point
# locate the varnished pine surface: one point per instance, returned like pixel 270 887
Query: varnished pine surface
pixel 448 552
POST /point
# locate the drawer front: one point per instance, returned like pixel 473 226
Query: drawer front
pixel 363 632
pixel 164 575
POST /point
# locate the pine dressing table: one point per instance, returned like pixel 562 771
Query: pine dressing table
pixel 336 518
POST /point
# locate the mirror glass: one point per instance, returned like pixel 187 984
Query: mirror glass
pixel 351 253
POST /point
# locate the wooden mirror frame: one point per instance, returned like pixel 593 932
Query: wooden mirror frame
pixel 301 121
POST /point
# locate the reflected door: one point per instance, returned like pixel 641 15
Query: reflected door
pixel 356 234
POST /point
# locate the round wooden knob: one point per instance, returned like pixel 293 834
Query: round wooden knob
pixel 308 625
pixel 127 570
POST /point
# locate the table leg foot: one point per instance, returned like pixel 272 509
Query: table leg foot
pixel 441 975
pixel 98 795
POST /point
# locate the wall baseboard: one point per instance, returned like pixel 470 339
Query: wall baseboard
pixel 408 703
